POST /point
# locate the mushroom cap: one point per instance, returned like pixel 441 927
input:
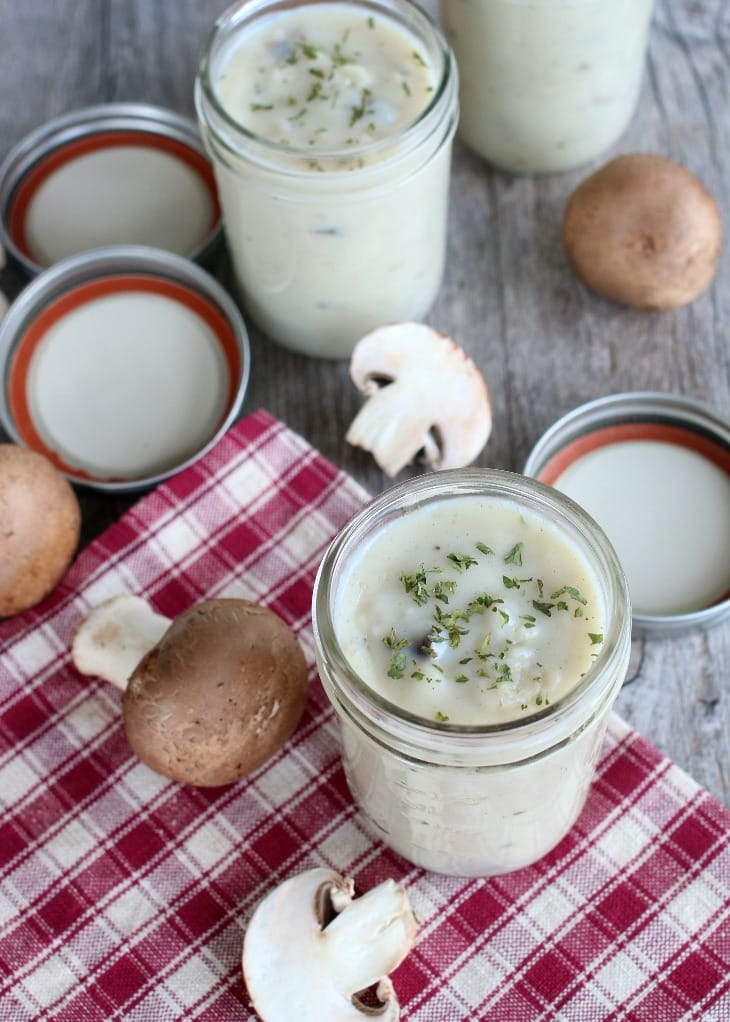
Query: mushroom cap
pixel 40 524
pixel 425 397
pixel 643 231
pixel 218 695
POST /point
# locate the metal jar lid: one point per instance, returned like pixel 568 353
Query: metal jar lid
pixel 119 173
pixel 653 469
pixel 122 365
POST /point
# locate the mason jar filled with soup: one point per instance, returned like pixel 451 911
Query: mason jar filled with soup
pixel 546 85
pixel 472 631
pixel 330 128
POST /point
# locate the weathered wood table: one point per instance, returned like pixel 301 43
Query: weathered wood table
pixel 543 342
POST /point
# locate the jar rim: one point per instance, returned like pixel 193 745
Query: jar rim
pixel 226 127
pixel 574 710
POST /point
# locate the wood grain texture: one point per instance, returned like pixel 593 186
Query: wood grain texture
pixel 544 343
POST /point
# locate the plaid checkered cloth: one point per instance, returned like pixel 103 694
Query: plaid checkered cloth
pixel 125 896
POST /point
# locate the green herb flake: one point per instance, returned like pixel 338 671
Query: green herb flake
pixel 442 591
pixel 544 608
pixel 441 716
pixel 417 585
pixel 462 562
pixel 484 549
pixel 569 591
pixel 371 22
pixel 397 665
pixel 393 642
pixel 505 673
pixel 596 638
pixel 481 603
pixel 339 58
pixel 361 109
pixel 461 679
pixel 309 51
pixel 515 555
pixel 255 107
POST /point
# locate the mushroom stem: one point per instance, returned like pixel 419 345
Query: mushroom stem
pixel 113 638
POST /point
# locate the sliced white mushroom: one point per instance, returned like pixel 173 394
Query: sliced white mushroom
pixel 311 948
pixel 425 398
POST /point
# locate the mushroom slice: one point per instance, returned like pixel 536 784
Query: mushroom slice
pixel 311 948
pixel 208 697
pixel 424 394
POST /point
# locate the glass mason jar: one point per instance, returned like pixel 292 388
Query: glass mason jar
pixel 476 799
pixel 546 85
pixel 329 244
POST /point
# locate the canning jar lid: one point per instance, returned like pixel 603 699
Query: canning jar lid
pixel 653 469
pixel 122 365
pixel 116 173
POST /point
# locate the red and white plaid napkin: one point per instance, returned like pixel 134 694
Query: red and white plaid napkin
pixel 125 896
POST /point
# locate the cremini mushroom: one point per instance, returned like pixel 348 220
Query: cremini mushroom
pixel 643 231
pixel 424 397
pixel 208 697
pixel 311 948
pixel 40 524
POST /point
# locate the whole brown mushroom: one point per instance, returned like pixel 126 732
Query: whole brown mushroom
pixel 40 523
pixel 643 231
pixel 208 697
